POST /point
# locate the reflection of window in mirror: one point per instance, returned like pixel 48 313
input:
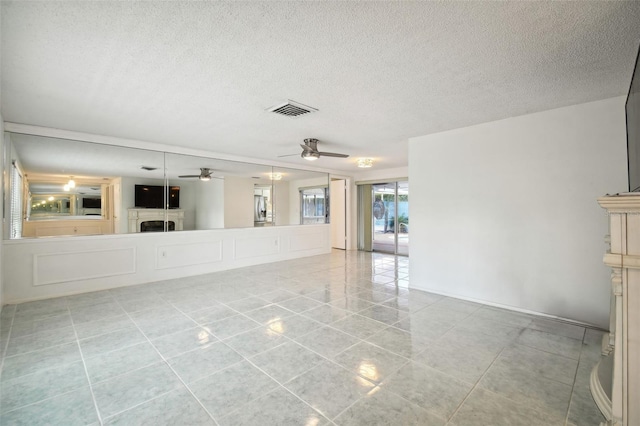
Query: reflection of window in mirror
pixel 314 205
pixel 15 201
pixel 263 207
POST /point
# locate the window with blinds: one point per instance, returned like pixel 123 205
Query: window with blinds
pixel 15 226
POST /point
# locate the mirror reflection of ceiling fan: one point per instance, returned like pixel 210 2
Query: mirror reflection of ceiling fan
pixel 310 151
pixel 205 175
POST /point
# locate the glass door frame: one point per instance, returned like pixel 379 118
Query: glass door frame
pixel 396 225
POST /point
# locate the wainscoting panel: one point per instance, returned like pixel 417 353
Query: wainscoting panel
pixel 39 268
pixel 256 247
pixel 179 255
pixel 52 268
pixel 309 241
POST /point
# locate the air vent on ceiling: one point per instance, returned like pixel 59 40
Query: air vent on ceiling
pixel 149 169
pixel 292 109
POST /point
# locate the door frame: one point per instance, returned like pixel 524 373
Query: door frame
pixel 365 213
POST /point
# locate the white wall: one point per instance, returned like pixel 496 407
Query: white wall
pixel 381 175
pixel 506 213
pixel 281 203
pixel 4 189
pixel 238 202
pixel 1 207
pixel 188 201
pixel 44 268
pixel 209 198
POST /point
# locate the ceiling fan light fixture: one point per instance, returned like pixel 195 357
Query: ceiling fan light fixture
pixel 275 176
pixel 205 178
pixel 309 155
pixel 365 163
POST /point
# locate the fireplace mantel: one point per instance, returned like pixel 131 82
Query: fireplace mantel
pixel 137 216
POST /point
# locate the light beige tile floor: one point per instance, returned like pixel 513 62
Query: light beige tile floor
pixel 333 339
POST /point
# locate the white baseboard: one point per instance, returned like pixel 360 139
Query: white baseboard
pixel 509 308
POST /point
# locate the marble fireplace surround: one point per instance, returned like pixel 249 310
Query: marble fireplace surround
pixel 138 216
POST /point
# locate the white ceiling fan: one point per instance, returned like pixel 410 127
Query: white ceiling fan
pixel 310 151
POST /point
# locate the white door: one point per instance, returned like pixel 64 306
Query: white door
pixel 338 206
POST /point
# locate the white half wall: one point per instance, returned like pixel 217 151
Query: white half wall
pixel 506 213
pixel 45 268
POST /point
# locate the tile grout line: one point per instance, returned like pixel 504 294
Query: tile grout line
pixel 172 370
pixel 41 400
pixel 111 416
pixel 377 387
pixel 475 385
pixel 84 366
pixel 40 349
pixel 6 344
pixel 575 377
pixel 281 385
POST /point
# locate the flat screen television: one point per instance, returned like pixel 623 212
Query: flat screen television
pixel 152 197
pixel 91 203
pixel 632 110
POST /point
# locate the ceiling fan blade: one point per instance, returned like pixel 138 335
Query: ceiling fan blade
pixel 332 154
pixel 189 176
pixel 288 155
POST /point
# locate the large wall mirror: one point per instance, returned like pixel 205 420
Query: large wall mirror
pixel 60 187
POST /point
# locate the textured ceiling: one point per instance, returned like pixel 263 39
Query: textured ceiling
pixel 201 74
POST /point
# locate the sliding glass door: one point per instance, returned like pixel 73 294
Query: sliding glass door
pixel 402 232
pixel 390 219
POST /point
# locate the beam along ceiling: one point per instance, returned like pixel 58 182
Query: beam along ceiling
pixel 202 74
